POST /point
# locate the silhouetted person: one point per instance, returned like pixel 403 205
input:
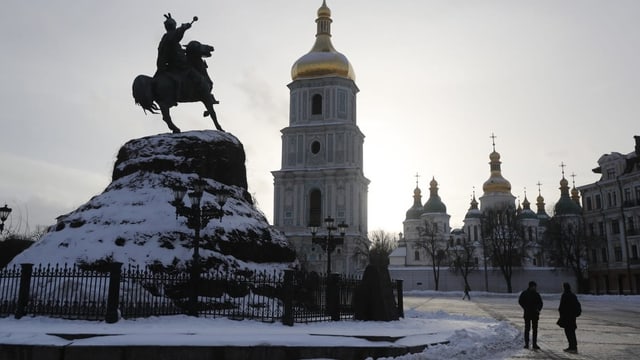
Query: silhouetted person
pixel 171 56
pixel 569 310
pixel 466 292
pixel 531 303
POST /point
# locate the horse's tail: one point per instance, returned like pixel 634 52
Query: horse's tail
pixel 143 93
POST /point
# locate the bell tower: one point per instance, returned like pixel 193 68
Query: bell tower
pixel 321 172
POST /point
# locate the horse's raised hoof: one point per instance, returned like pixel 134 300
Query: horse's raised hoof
pixel 205 114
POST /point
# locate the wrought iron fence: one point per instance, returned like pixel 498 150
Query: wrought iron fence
pixel 113 292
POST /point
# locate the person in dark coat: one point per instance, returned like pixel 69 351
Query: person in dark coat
pixel 466 292
pixel 531 303
pixel 569 310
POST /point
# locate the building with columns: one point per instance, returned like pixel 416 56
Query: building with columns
pixel 321 174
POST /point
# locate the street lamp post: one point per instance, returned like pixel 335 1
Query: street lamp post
pixel 198 217
pixel 329 242
pixel 4 214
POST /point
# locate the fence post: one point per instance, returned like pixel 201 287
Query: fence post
pixel 23 293
pixel 287 298
pixel 113 297
pixel 333 296
pixel 400 298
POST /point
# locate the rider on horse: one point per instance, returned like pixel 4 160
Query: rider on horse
pixel 173 61
pixel 181 76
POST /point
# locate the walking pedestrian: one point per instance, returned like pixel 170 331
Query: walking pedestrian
pixel 466 292
pixel 569 310
pixel 531 303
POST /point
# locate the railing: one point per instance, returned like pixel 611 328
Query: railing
pixel 74 293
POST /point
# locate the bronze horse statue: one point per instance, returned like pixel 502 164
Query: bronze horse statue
pixel 166 89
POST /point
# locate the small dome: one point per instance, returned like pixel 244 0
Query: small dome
pixel 324 10
pixel 566 206
pixel 526 212
pixel 473 212
pixel 416 210
pixel 564 182
pixel 434 204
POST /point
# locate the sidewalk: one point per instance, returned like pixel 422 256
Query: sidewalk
pixel 605 330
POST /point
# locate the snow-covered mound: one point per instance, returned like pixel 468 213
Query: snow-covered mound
pixel 134 222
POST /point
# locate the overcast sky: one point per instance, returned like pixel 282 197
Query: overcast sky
pixel 555 80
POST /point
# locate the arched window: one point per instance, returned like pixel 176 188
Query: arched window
pixel 416 255
pixel 315 208
pixel 316 104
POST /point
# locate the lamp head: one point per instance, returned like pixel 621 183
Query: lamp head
pixel 342 227
pixel 199 185
pixel 329 222
pixel 178 193
pixel 195 197
pixel 222 199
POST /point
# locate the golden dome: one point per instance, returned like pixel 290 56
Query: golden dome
pixel 496 182
pixel 323 59
pixel 564 183
pixel 324 11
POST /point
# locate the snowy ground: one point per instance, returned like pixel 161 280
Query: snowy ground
pixel 468 337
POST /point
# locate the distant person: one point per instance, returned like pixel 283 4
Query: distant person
pixel 531 303
pixel 569 310
pixel 466 292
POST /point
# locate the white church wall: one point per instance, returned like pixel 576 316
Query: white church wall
pixel 549 280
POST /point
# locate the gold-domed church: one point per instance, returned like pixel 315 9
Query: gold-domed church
pixel 321 182
pixel 413 262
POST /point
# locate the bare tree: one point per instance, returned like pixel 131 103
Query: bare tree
pixel 462 259
pixel 566 246
pixel 382 242
pixel 436 246
pixel 504 240
pixel 379 246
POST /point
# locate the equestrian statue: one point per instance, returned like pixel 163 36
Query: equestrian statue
pixel 181 76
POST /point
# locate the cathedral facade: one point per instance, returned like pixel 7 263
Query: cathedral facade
pixel 321 179
pixel 413 262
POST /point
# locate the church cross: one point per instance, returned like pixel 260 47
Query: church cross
pixel 493 141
